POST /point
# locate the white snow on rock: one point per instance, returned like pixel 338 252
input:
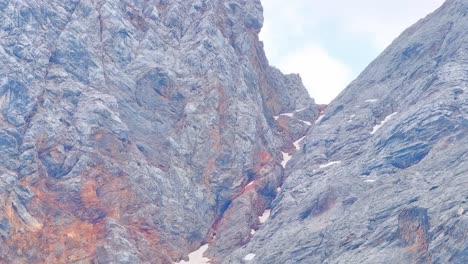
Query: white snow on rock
pixel 376 127
pixel 196 257
pixel 297 143
pixel 319 119
pixel 252 232
pixel 299 110
pixel 249 257
pixel 306 122
pixel 286 158
pixel 292 115
pixel 284 114
pixel 372 100
pixel 329 164
pixel 264 216
pixel 287 114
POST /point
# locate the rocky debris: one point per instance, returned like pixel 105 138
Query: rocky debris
pixel 366 191
pixel 132 130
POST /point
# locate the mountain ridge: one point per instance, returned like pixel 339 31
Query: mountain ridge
pixel 140 131
pixel 382 176
pixel 129 129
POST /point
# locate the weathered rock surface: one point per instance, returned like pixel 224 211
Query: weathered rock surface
pixel 383 177
pixel 130 129
pixel 137 131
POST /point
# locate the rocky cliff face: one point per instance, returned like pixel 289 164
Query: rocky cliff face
pixel 382 177
pixel 136 131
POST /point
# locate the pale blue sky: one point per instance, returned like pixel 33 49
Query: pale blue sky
pixel 330 42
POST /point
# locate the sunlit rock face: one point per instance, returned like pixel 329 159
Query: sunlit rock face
pixel 382 176
pixel 136 131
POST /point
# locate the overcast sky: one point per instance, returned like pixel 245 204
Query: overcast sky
pixel 329 42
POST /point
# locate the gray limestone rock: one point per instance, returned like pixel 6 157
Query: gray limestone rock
pixel 130 128
pixel 137 131
pixel 380 178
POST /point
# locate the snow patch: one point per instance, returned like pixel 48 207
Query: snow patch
pixel 249 257
pixel 252 232
pixel 284 114
pixel 292 115
pixel 286 156
pixel 286 159
pixel 299 110
pixel 370 181
pixel 306 122
pixel 297 143
pixel 196 257
pixel 372 100
pixel 264 216
pixel 376 127
pixel 329 164
pixel 319 119
pixel 287 114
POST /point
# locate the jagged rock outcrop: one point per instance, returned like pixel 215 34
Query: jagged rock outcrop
pixel 382 177
pixel 137 131
pixel 130 129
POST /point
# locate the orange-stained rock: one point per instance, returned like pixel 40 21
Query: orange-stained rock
pixel 130 129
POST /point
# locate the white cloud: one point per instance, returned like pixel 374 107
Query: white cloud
pixel 323 76
pixel 383 20
pixel 295 30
